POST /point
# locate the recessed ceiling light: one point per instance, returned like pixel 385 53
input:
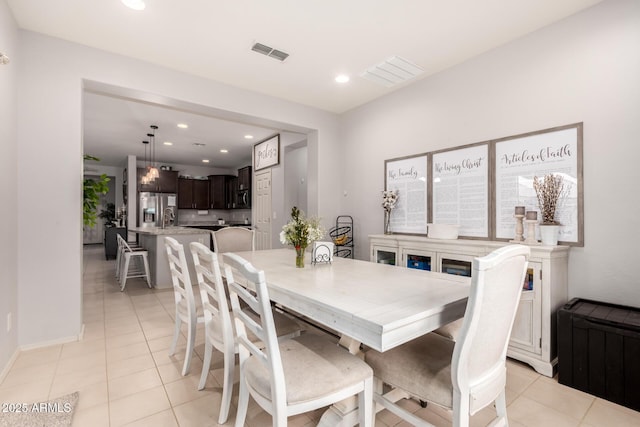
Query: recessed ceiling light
pixel 134 4
pixel 168 143
pixel 183 125
pixel 205 160
pixel 342 78
pixel 248 137
pixel 199 144
pixel 224 150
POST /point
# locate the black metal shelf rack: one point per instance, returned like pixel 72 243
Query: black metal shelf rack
pixel 342 237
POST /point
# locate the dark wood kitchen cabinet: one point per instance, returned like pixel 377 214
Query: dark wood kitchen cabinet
pixel 167 182
pixel 193 193
pixel 244 178
pixel 223 190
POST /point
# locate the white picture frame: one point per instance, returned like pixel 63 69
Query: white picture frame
pixel 266 153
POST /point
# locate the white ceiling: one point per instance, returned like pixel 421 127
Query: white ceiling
pixel 212 39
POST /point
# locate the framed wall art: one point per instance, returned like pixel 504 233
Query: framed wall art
pixel 520 158
pixel 266 153
pixel 460 189
pixel 408 176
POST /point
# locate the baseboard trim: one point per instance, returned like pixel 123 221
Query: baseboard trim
pixel 9 365
pixel 63 340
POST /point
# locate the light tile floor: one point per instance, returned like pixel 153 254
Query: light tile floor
pixel 125 377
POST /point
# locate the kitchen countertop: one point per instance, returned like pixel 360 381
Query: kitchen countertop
pixel 158 231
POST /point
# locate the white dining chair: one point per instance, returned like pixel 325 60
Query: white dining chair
pixel 219 330
pixel 468 374
pixel 233 239
pixel 124 257
pixel 186 310
pixel 296 375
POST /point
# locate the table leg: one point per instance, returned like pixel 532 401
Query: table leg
pixel 345 413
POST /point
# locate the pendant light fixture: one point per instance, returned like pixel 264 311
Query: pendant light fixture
pixel 145 177
pixel 153 170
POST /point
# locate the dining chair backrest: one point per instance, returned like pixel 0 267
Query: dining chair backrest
pixel 263 327
pixel 478 367
pixel 180 275
pixel 123 244
pixel 212 293
pixel 233 239
pixel 184 298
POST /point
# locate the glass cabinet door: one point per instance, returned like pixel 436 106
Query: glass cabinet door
pixel 418 259
pixel 384 255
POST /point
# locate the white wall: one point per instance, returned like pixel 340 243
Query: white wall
pixel 52 74
pixel 8 189
pixel 582 69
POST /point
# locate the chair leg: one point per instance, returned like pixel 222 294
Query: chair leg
pixel 191 338
pixel 366 405
pixel 243 402
pixel 176 334
pixel 118 256
pixel 145 259
pixel 460 409
pixel 227 386
pixel 125 272
pixel 501 409
pixel 206 364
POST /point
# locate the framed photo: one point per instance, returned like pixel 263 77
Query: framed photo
pixel 460 189
pixel 266 153
pixel 520 158
pixel 408 176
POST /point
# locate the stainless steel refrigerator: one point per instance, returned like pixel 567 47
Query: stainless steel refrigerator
pixel 154 208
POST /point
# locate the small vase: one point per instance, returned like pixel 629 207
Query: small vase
pixel 300 256
pixel 549 234
pixel 387 220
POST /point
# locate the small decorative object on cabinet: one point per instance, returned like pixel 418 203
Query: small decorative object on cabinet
pixel 544 291
pixel 389 200
pixel 342 236
pixel 551 190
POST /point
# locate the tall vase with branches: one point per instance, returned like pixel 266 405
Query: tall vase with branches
pixel 551 190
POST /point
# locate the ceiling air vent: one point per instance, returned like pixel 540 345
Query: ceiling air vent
pixel 392 71
pixel 269 51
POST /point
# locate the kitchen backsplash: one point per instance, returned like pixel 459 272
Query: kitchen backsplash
pixel 193 216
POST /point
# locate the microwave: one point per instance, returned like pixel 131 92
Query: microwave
pixel 244 199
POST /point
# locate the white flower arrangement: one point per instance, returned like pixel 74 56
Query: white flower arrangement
pixel 389 199
pixel 300 232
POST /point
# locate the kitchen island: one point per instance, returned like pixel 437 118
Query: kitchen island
pixel 152 239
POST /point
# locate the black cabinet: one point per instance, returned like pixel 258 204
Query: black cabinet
pixel 167 182
pixel 193 193
pixel 111 240
pixel 599 349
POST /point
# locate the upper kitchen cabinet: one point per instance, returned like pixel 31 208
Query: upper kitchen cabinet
pixel 221 186
pixel 193 193
pixel 244 178
pixel 167 182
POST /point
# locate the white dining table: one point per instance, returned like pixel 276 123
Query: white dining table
pixel 380 306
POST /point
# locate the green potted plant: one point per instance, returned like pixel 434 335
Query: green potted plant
pixel 92 189
pixel 109 215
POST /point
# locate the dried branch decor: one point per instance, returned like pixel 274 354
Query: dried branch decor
pixel 550 191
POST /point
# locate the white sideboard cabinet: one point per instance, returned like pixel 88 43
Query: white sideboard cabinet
pixel 544 291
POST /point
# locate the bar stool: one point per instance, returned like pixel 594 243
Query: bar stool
pixel 125 256
pixel 121 248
